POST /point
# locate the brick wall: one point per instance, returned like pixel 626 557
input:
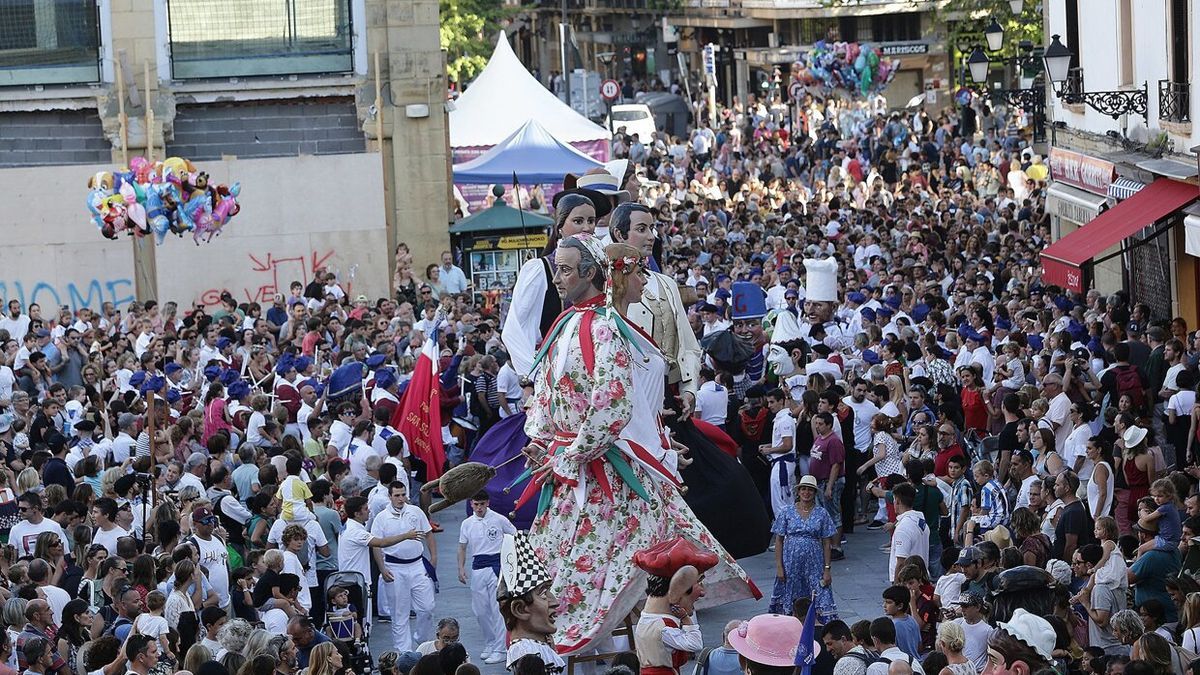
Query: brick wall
pixel 52 138
pixel 267 129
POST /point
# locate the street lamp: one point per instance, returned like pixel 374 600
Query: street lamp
pixel 1016 6
pixel 1058 60
pixel 1112 103
pixel 994 34
pixel 607 58
pixel 978 63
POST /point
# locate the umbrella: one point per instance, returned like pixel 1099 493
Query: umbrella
pixel 915 101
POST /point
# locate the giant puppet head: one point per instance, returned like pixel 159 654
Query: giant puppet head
pixel 526 603
pixel 676 567
pixel 820 295
pixel 787 352
pixel 1020 646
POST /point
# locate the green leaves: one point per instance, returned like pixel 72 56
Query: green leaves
pixel 468 30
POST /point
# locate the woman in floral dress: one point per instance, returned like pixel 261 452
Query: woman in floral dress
pixel 594 432
pixel 803 546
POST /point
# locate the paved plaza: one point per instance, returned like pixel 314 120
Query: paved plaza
pixel 858 581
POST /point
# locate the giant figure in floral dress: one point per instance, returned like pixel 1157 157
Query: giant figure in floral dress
pixel 595 432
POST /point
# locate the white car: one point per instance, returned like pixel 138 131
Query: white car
pixel 636 118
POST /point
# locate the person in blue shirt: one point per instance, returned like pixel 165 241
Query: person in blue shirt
pixel 306 636
pixel 908 635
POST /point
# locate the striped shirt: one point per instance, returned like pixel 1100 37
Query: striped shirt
pixel 995 503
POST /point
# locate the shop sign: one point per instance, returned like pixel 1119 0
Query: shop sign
pixel 1069 210
pixel 1082 171
pixel 907 49
pixel 516 241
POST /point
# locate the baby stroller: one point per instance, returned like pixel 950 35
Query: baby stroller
pixel 341 629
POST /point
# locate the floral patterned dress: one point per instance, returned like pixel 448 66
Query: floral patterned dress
pixel 598 392
pixel 803 561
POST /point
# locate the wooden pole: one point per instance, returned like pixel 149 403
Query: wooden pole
pixel 149 114
pixel 121 116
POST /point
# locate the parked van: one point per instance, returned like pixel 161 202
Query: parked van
pixel 636 118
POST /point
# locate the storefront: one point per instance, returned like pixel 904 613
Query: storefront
pixel 495 243
pixel 1134 234
pixel 1077 195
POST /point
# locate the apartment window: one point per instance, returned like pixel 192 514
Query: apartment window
pixel 1180 41
pixel 1125 40
pixel 240 38
pixel 49 42
pixel 848 28
pixel 904 27
pixel 1072 7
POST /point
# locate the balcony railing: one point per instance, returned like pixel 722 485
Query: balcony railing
pixel 1073 88
pixel 1174 101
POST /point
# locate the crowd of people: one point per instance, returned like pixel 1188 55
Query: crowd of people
pixel 183 485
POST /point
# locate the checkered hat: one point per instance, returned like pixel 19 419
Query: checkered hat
pixel 520 569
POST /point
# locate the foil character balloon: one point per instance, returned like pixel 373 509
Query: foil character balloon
pixel 228 207
pixel 135 212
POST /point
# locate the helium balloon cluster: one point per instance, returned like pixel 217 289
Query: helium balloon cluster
pixel 847 66
pixel 170 196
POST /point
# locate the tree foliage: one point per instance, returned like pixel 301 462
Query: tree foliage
pixel 963 23
pixel 468 29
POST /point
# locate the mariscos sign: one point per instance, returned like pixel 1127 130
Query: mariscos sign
pixel 1080 170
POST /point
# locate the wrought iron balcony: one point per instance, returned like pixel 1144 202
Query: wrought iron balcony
pixel 1113 103
pixel 1072 92
pixel 1174 101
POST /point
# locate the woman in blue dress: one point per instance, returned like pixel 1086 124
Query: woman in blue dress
pixel 803 543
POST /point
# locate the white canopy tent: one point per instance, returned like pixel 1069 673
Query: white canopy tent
pixel 504 97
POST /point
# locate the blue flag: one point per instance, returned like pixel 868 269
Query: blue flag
pixel 805 656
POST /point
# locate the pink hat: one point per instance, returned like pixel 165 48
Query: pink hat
pixel 769 639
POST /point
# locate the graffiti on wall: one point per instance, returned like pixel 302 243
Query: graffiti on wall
pixel 270 273
pixel 91 294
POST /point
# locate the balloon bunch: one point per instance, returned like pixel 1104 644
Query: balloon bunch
pixel 848 66
pixel 160 197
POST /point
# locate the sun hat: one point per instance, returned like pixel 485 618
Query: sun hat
pixel 769 639
pixel 1033 630
pixel 1133 436
pixel 808 481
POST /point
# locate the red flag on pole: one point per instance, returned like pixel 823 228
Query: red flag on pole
pixel 419 415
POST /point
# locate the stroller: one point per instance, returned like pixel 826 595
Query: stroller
pixel 356 651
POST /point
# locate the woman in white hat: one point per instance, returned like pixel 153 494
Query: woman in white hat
pixel 803 554
pixel 1138 466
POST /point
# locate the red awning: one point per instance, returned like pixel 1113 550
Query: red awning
pixel 1062 261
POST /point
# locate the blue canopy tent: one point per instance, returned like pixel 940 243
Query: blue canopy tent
pixel 531 153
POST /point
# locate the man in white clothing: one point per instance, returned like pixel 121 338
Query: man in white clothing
pixel 24 534
pixel 1059 414
pixel 712 400
pixel 780 452
pixel 911 536
pixel 454 281
pixel 483 533
pixel 356 542
pixel 402 565
pixel 14 322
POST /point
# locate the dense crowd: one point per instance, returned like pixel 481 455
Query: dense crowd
pixel 183 485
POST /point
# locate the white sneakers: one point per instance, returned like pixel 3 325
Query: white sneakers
pixel 491 658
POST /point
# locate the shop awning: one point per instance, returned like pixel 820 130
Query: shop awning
pixel 1074 204
pixel 1191 235
pixel 1124 188
pixel 1062 261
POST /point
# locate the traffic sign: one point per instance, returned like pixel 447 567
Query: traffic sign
pixel 610 90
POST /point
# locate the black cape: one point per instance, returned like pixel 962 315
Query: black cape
pixel 722 495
